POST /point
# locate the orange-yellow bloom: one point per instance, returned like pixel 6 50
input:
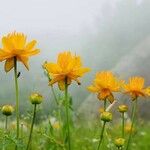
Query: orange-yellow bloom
pixel 67 68
pixel 56 125
pixel 105 83
pixel 129 128
pixel 15 47
pixel 136 88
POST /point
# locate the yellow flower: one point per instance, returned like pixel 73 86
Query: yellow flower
pixel 67 68
pixel 135 87
pixel 104 84
pixel 56 125
pixel 123 108
pixel 36 98
pixel 106 116
pixel 119 142
pixel 14 46
pixel 7 110
pixel 128 128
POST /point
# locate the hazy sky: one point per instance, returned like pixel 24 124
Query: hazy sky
pixel 50 15
pixel 43 15
pixel 103 32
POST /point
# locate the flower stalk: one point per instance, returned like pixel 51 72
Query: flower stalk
pixel 105 104
pixel 123 125
pixel 105 117
pixel 6 123
pixel 134 106
pixel 17 96
pixel 67 115
pixel 31 129
pixel 122 109
pixel 101 135
pixel 55 97
pixel 21 134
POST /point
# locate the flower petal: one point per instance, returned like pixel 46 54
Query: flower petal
pixel 5 55
pixel 30 52
pixel 7 43
pixel 81 71
pixel 9 64
pixel 30 45
pixel 57 79
pixel 53 68
pixel 93 89
pixel 24 60
pixel 111 98
pixel 147 91
pixel 61 85
pixel 104 94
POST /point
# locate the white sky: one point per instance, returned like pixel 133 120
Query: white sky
pixel 47 15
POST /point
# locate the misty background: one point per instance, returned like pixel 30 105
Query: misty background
pixel 107 34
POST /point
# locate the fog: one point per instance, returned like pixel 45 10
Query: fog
pixel 107 34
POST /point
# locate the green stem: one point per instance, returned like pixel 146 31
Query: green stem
pixel 21 134
pixel 134 106
pixel 58 105
pixel 31 130
pixel 101 136
pixel 123 125
pixel 67 115
pixel 3 147
pixel 17 98
pixel 60 120
pixel 53 140
pixel 103 127
pixel 55 97
pixel 6 120
pixel 105 104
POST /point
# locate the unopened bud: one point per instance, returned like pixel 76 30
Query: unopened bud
pixel 119 142
pixel 123 108
pixel 106 116
pixel 7 110
pixel 36 98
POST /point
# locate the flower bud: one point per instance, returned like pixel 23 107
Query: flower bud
pixel 119 142
pixel 36 98
pixel 7 110
pixel 106 116
pixel 123 108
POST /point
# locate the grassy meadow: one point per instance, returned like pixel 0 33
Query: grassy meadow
pixel 61 129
